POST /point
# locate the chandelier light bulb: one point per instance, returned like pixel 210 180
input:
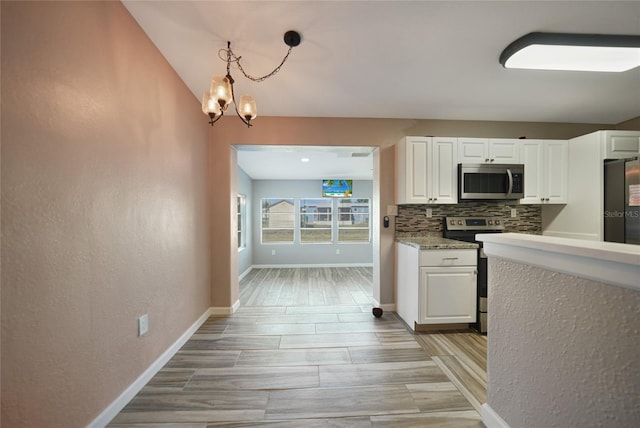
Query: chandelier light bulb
pixel 221 91
pixel 247 107
pixel 210 105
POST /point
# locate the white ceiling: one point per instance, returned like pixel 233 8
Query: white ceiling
pixel 396 59
pixel 286 162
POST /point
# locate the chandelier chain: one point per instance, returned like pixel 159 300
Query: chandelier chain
pixel 221 94
pixel 232 57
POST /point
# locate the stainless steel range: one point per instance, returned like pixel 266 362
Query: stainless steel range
pixel 465 229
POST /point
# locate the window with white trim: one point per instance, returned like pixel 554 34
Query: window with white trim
pixel 242 222
pixel 316 220
pixel 353 220
pixel 278 220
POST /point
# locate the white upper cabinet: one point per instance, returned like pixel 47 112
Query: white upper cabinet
pixel 556 171
pixel 473 150
pixel 620 144
pixel 545 171
pixel 444 171
pixel 488 150
pixel 583 215
pixel 426 170
pixel 533 160
pixel 411 170
pixel 503 150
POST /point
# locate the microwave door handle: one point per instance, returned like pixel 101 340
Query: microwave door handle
pixel 510 182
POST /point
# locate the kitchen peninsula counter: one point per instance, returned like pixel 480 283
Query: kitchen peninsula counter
pixel 433 242
pixel 606 262
pixel 563 332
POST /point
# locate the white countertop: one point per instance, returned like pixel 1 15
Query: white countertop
pixel 607 262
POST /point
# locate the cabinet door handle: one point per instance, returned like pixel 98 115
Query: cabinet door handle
pixel 450 258
pixel 487 160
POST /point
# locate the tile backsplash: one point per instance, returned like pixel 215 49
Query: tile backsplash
pixel 413 218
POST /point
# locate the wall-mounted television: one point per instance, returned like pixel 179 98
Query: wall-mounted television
pixel 337 188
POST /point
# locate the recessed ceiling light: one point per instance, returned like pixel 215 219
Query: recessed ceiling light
pixel 575 52
pixel 304 159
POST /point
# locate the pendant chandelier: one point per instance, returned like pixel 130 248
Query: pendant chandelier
pixel 215 102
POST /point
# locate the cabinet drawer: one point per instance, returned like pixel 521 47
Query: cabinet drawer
pixel 448 257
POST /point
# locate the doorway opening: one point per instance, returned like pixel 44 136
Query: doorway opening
pixel 303 246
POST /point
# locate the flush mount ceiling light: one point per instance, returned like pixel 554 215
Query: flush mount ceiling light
pixel 576 52
pixel 215 102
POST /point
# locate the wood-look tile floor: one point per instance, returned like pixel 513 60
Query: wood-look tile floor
pixel 304 350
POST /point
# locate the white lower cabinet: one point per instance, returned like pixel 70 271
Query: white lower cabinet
pixel 436 286
pixel 447 295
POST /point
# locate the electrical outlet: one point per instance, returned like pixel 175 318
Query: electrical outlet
pixel 338 251
pixel 514 213
pixel 143 324
pixel 429 213
pixel 273 252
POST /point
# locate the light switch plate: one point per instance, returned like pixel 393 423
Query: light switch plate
pixel 429 213
pixel 514 212
pixel 143 324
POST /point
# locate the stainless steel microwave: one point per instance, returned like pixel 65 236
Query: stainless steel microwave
pixel 490 181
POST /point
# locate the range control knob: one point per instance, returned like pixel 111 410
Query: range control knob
pixel 497 222
pixel 490 222
pixel 460 222
pixel 452 222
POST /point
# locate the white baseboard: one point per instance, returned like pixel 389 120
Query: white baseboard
pixel 491 419
pixel 116 406
pixel 245 273
pixel 289 266
pixel 388 307
pixel 224 310
pixel 327 265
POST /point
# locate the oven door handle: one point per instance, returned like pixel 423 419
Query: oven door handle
pixel 510 182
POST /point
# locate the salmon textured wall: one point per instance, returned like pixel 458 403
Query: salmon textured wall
pixel 105 209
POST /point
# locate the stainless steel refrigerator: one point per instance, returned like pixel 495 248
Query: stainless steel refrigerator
pixel 622 201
